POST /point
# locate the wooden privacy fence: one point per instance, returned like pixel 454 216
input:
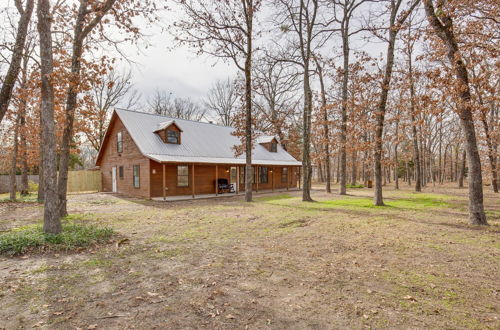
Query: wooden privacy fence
pixel 84 181
pixel 78 181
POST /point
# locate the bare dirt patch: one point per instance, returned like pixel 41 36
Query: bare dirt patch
pixel 277 263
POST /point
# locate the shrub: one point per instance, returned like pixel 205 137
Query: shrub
pixel 354 186
pixel 32 186
pixel 72 236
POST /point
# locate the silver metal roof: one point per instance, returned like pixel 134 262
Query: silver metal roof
pixel 200 142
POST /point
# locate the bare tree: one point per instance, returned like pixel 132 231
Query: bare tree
pixel 308 24
pixel 344 14
pixel 396 20
pixel 221 100
pixel 15 63
pixel 51 216
pixel 277 89
pixel 442 24
pixel 112 89
pixel 225 29
pixel 163 104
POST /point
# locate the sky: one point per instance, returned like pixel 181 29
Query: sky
pixel 174 69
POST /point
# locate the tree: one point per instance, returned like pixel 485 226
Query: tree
pixel 162 103
pixel 277 89
pixel 15 63
pixel 221 101
pixel 307 22
pixel 396 20
pixel 111 89
pixel 89 16
pixel 225 29
pixel 347 9
pixel 441 22
pixel 51 216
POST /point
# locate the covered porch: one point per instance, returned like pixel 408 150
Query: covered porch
pixel 181 181
pixel 208 196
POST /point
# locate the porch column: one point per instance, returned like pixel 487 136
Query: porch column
pixel 192 175
pixel 164 182
pixel 237 179
pixel 257 178
pixel 299 177
pixel 272 172
pixel 287 177
pixel 216 179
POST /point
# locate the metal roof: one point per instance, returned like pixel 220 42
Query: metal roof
pixel 200 143
pixel 265 138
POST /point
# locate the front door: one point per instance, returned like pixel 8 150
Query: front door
pixel 113 178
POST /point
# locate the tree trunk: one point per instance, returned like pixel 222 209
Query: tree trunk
pixel 326 127
pixel 443 27
pixel 24 189
pixel 13 164
pixel 396 174
pixel 462 170
pixel 10 78
pixel 248 108
pixel 306 160
pixel 52 221
pixel 354 169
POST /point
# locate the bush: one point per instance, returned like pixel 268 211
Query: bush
pixel 354 186
pixel 32 186
pixel 30 238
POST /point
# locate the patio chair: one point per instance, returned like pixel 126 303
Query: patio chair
pixel 223 186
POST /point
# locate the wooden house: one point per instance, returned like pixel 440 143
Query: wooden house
pixel 147 155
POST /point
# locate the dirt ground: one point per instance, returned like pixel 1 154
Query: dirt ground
pixel 276 263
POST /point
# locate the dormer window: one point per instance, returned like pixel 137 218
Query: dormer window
pixel 274 146
pixel 173 136
pixel 268 142
pixel 169 132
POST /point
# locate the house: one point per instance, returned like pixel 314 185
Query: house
pixel 147 155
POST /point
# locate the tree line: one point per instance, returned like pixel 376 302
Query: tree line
pixel 359 90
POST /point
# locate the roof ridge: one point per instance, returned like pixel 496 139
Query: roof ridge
pixel 172 118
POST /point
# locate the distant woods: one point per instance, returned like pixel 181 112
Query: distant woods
pixel 363 92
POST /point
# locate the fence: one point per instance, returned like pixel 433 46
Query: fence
pixel 78 181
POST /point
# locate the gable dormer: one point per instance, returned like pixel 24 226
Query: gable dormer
pixel 169 132
pixel 268 142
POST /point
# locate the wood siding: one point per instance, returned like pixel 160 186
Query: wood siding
pixel 205 179
pixel 151 172
pixel 129 157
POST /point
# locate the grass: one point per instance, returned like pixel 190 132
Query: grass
pixel 31 198
pixel 354 186
pixel 407 202
pixel 339 262
pixel 28 238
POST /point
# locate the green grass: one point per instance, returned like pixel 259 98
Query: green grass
pixel 31 198
pixel 417 202
pixel 406 202
pixel 354 186
pixel 29 238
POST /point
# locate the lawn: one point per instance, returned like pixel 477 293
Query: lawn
pixel 276 263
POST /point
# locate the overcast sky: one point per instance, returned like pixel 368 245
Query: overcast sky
pixel 178 71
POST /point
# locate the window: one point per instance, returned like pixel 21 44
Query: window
pixel 173 137
pixel 119 142
pixel 284 175
pixel 120 172
pixel 136 170
pixel 243 176
pixel 263 174
pixel 182 176
pixel 274 147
